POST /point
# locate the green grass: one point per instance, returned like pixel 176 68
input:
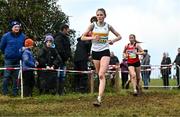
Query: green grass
pixel 159 82
pixel 150 103
pixel 154 102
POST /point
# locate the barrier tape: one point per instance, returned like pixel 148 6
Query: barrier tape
pixel 111 69
pixel 10 68
pixel 45 69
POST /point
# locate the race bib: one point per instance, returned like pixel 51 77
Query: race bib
pixel 102 40
pixel 132 54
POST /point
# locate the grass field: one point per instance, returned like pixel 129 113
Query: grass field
pixel 154 102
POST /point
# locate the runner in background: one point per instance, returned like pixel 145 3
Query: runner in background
pixel 132 51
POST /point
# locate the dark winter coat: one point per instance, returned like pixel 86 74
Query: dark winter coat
pixel 11 44
pixel 146 61
pixel 63 46
pixel 124 66
pixel 177 59
pixel 48 57
pixel 165 70
pixel 82 51
pixel 113 60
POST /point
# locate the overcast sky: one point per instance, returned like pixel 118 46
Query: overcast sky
pixel 154 22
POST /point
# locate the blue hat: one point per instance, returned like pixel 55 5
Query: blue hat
pixel 49 38
pixel 13 23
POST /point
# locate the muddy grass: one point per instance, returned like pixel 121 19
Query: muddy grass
pixel 152 103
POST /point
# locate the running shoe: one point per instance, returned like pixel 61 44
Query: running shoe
pixel 97 103
pixel 139 89
pixel 135 93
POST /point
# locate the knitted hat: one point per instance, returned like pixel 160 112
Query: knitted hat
pixel 49 38
pixel 145 50
pixel 28 42
pixel 13 23
pixel 93 19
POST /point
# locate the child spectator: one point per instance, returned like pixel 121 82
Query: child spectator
pixel 28 61
pixel 48 58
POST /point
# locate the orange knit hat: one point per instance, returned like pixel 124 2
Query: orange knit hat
pixel 28 42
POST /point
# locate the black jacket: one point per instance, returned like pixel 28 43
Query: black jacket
pixel 63 46
pixel 113 60
pixel 165 70
pixel 82 51
pixel 48 57
pixel 177 59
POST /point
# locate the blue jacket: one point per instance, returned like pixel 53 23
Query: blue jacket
pixel 10 45
pixel 28 61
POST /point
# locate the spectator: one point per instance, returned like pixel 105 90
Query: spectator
pixel 28 61
pixel 124 73
pixel 63 47
pixel 100 48
pixel 165 69
pixel 48 58
pixel 114 66
pixel 177 62
pixel 81 57
pixel 145 73
pixel 93 19
pixel 10 44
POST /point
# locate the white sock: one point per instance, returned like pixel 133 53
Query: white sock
pixel 135 91
pixel 99 98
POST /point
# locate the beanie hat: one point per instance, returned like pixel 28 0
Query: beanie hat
pixel 93 19
pixel 145 50
pixel 28 42
pixel 49 38
pixel 13 23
